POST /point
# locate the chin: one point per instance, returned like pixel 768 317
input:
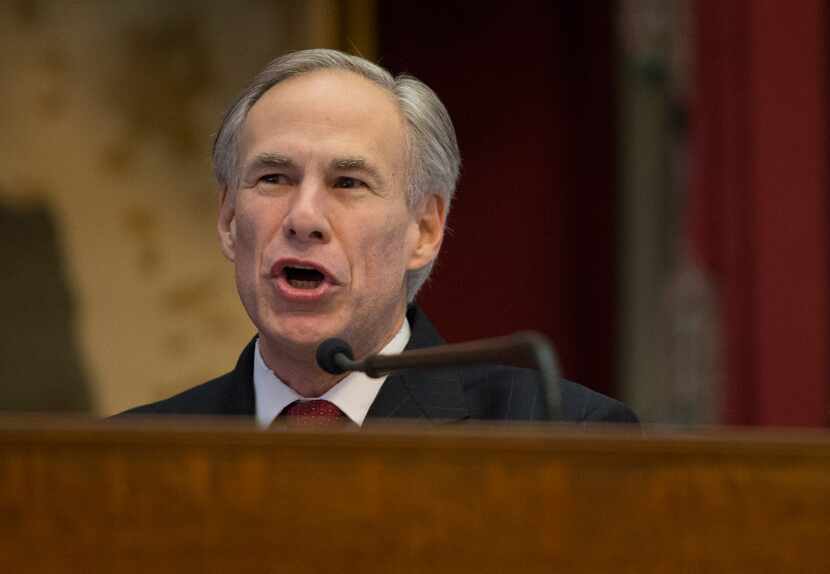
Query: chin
pixel 301 331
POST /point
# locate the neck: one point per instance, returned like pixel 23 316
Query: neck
pixel 299 369
pixel 301 374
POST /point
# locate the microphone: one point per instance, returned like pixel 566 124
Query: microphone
pixel 335 356
pixel 527 349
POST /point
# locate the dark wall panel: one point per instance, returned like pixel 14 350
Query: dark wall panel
pixel 530 88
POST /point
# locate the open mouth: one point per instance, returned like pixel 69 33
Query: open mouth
pixel 303 277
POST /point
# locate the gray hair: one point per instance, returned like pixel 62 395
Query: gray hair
pixel 434 162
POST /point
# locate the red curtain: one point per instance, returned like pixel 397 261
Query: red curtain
pixel 758 213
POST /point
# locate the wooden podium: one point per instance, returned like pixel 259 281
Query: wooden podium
pixel 215 496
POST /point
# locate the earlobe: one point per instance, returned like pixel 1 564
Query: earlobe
pixel 431 221
pixel 226 224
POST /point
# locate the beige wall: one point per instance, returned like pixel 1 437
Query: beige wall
pixel 107 114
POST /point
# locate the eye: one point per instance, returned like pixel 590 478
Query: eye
pixel 275 179
pixel 346 182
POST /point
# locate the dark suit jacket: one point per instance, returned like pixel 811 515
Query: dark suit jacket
pixel 486 392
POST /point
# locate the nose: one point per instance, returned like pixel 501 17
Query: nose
pixel 306 220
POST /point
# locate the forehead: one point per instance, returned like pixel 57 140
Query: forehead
pixel 328 113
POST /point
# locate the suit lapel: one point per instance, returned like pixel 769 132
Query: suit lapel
pixel 238 397
pixel 421 394
pixel 395 400
pixel 435 394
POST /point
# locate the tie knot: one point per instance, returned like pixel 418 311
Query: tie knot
pixel 314 412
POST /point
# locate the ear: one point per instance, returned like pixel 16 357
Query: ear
pixel 430 219
pixel 226 224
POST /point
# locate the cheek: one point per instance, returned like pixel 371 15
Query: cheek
pixel 251 238
pixel 245 233
pixel 385 254
pixel 254 224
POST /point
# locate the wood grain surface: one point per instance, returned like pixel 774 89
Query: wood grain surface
pixel 218 496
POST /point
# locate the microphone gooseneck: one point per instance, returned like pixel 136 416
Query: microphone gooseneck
pixel 526 349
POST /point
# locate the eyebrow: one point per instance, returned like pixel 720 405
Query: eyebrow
pixel 276 160
pixel 356 164
pixel 269 160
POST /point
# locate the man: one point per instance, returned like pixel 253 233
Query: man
pixel 336 180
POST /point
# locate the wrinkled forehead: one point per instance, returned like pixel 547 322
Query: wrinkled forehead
pixel 328 111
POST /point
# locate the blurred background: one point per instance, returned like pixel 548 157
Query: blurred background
pixel 645 181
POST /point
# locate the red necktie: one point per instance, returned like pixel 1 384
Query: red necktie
pixel 312 413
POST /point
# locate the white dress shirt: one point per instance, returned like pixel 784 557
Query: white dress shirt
pixel 353 394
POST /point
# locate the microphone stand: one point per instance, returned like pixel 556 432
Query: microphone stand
pixel 524 349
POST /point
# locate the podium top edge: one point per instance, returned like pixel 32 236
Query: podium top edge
pixel 218 431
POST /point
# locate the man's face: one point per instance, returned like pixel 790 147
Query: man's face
pixel 319 228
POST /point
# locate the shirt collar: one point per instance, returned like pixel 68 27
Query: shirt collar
pixel 353 394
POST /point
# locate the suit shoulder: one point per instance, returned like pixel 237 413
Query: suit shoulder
pixel 580 404
pixel 230 394
pixel 204 399
pixel 502 392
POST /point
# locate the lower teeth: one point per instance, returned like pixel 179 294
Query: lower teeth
pixel 299 284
